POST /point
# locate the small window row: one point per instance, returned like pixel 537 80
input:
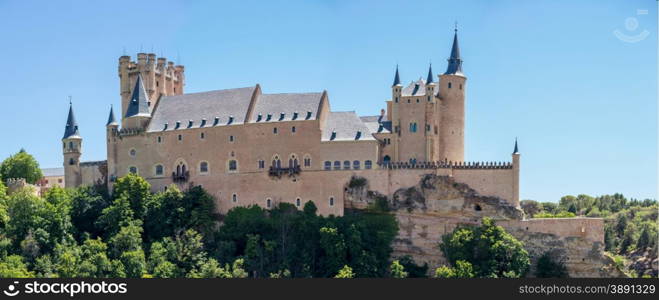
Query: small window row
pixel 347 165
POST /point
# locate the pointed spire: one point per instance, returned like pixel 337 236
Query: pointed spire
pixel 139 102
pixel 396 78
pixel 71 129
pixel 516 150
pixel 429 80
pixel 455 62
pixel 111 119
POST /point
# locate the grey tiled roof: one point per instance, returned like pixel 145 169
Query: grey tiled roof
pixel 139 101
pixel 49 172
pixel 377 124
pixel 93 163
pixel 294 106
pixel 71 128
pixel 416 88
pixel 197 106
pixel 345 126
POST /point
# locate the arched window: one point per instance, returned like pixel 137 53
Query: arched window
pixel 449 85
pixel 331 201
pixel 328 165
pixel 180 137
pixel 276 162
pixel 368 164
pixel 234 198
pixel 346 165
pixel 70 145
pixel 72 161
pixel 233 165
pixel 386 159
pixel 337 165
pixel 274 130
pixel 159 170
pixel 307 160
pixel 202 136
pixel 292 161
pixel 293 129
pixel 203 167
pixel 268 203
pixel 298 202
pixel 133 152
pixel 132 169
pixel 356 165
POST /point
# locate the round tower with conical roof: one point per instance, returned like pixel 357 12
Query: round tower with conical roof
pixel 72 150
pixel 452 87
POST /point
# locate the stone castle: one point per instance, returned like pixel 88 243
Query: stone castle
pixel 247 147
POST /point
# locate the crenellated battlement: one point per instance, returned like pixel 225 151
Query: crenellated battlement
pixel 447 165
pixel 160 77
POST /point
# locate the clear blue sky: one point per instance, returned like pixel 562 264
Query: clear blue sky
pixel 582 102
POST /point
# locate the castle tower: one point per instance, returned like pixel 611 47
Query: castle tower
pixel 452 110
pixel 396 92
pixel 516 166
pixel 159 77
pixel 72 149
pixel 138 113
pixel 432 119
pixel 111 129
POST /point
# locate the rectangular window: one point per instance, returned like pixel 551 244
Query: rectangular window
pixel 231 138
pixel 293 129
pixel 328 165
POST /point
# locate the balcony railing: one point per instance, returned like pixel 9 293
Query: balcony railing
pixel 278 172
pixel 180 177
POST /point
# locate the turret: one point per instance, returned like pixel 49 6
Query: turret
pixel 137 113
pixel 72 150
pixel 452 86
pixel 396 92
pixel 516 167
pixel 112 127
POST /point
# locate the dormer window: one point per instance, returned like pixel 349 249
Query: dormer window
pixel 165 127
pixel 268 117
pixel 258 118
pixel 190 123
pixel 178 124
pixel 203 123
pixel 295 116
pixel 333 135
pixel 281 116
pixel 216 121
pixel 308 115
pixel 230 120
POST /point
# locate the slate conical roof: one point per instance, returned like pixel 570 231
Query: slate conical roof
pixel 71 129
pixel 516 150
pixel 139 101
pixel 396 78
pixel 429 79
pixel 111 119
pixel 455 62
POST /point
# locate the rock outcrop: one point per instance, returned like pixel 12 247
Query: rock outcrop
pixel 437 204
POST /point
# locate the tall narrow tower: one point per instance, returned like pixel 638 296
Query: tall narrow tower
pixel 516 166
pixel 72 150
pixel 452 94
pixel 111 129
pixel 396 92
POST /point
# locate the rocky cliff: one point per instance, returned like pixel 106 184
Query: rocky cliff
pixel 437 204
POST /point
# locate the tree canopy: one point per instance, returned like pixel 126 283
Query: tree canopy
pixel 20 165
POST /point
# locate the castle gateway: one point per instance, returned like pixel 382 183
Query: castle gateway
pixel 248 147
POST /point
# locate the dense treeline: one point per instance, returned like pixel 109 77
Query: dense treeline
pixel 84 232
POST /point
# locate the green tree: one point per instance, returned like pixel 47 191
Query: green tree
pixel 128 239
pixel 345 272
pixel 87 205
pixel 530 207
pixel 21 165
pixel 134 263
pixel 549 266
pixel 462 269
pixel 13 267
pixel 644 239
pixel 115 216
pixel 488 248
pixel 397 270
pixel 136 190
